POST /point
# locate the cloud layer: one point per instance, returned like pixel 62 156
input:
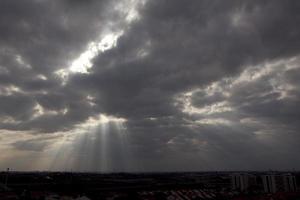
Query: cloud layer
pixel 159 86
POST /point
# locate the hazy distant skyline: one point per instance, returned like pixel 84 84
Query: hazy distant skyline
pixel 149 85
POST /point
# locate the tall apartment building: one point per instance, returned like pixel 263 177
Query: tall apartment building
pixel 242 182
pixel 273 183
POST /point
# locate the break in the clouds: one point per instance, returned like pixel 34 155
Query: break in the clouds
pixel 154 85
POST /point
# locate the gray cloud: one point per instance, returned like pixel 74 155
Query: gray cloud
pixel 194 54
pixel 173 47
pixel 31 145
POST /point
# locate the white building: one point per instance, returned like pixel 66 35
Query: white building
pixel 242 181
pixel 279 183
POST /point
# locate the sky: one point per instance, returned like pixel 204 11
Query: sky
pixel 149 85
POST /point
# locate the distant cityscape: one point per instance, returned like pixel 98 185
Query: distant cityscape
pixel 271 185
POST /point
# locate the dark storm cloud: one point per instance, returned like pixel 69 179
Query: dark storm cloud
pixel 264 113
pixel 38 38
pixel 172 48
pixel 188 45
pixel 17 106
pixel 47 34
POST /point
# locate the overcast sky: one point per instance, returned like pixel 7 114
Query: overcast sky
pixel 149 85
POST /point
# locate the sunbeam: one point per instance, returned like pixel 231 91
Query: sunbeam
pixel 104 131
pixel 125 147
pixel 100 144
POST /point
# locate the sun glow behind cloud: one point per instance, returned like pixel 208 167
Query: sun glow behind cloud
pixel 90 146
pixel 108 39
pixel 84 62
